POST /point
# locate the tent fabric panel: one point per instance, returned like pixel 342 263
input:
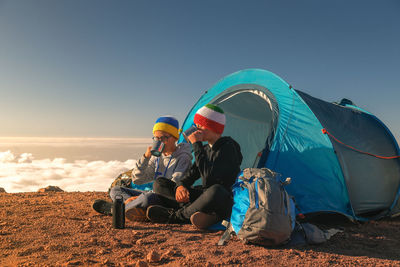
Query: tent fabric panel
pixel 370 188
pixel 302 152
pixel 395 209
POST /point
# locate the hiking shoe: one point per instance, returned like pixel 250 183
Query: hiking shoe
pixel 102 206
pixel 136 215
pixel 160 214
pixel 203 220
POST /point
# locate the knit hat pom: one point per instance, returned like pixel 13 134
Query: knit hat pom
pixel 211 117
pixel 167 124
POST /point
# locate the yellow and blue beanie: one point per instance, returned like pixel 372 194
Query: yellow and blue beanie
pixel 167 124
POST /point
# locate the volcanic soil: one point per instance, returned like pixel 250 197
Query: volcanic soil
pixel 61 229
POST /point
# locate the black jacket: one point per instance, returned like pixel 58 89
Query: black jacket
pixel 219 164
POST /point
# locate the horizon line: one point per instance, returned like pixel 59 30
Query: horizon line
pixel 76 137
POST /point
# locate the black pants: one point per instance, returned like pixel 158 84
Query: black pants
pixel 213 199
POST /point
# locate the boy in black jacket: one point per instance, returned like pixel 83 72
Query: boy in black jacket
pixel 217 163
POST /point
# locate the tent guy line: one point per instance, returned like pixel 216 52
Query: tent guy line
pixel 324 131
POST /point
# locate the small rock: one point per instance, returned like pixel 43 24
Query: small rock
pixel 141 263
pixel 139 242
pixel 168 254
pixel 50 188
pixel 91 251
pixel 135 233
pixel 153 256
pixel 2 190
pixel 106 261
pixel 73 263
pixel 102 252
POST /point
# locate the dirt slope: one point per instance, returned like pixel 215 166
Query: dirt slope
pixel 52 229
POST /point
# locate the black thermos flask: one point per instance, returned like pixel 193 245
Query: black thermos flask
pixel 118 213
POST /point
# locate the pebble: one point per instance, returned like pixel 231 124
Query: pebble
pixel 168 254
pixel 135 233
pixel 73 263
pixel 153 256
pixel 141 263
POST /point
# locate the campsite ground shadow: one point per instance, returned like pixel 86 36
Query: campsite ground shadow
pixel 363 239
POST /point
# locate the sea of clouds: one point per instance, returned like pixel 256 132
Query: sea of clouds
pixel 24 172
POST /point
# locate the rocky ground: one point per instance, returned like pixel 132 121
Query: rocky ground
pixel 58 228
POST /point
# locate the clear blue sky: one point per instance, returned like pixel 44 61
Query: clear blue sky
pixel 110 68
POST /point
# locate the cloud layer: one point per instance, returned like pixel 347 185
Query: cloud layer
pixel 23 173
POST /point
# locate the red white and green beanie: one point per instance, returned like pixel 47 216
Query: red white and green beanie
pixel 210 117
pixel 167 124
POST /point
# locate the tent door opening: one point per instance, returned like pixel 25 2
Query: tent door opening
pixel 250 120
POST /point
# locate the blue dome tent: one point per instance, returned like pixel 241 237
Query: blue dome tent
pixel 332 151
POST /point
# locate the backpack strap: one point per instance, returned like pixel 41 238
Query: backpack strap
pixel 227 234
pixel 252 196
pixel 250 173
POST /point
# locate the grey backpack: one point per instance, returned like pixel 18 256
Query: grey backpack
pixel 262 212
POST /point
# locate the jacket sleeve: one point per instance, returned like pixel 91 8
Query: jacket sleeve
pixel 182 166
pixel 221 169
pixel 189 177
pixel 144 171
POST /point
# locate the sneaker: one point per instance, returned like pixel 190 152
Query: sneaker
pixel 203 220
pixel 160 214
pixel 102 206
pixel 136 215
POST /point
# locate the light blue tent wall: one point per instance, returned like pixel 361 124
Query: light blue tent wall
pixel 265 114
